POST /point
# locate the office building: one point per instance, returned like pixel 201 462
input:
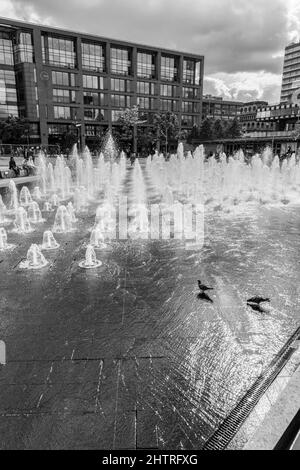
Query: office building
pixel 62 80
pixel 291 72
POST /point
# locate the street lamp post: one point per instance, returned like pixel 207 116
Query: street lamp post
pixel 78 126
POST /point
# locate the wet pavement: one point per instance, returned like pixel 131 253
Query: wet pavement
pixel 127 356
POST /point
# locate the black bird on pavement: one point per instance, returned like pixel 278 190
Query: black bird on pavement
pixel 257 300
pixel 203 288
pixel 255 303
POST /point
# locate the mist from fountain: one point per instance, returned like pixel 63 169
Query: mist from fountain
pixel 62 221
pixel 14 203
pixel 21 223
pixel 97 238
pixel 90 261
pixel 25 196
pixel 49 242
pixel 34 213
pixel 3 240
pixel 35 259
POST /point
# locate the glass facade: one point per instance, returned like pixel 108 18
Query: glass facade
pixel 145 103
pixel 169 68
pixel 8 94
pixel 93 57
pixel 190 93
pixel 120 61
pixel 6 49
pixel 191 72
pixel 115 115
pixel 63 78
pixel 91 98
pixel 146 65
pixel 23 49
pixel 91 130
pixel 64 112
pixel 92 81
pixel 120 101
pixel 189 107
pixel 169 105
pixel 169 90
pixel 94 114
pixel 187 121
pixel 63 96
pixel 118 84
pixel 145 88
pixel 58 51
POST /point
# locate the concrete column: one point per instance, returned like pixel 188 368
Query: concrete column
pixel 79 93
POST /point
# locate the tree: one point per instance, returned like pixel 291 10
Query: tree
pixel 234 130
pixel 219 129
pixel 147 139
pixel 167 126
pixel 206 130
pixel 14 130
pixel 128 121
pixel 69 138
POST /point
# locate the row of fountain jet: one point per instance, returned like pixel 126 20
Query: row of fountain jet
pixel 68 189
pixel 225 183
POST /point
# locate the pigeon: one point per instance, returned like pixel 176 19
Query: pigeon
pixel 257 300
pixel 203 287
pixel 256 303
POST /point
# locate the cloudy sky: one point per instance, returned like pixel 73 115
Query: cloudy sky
pixel 243 40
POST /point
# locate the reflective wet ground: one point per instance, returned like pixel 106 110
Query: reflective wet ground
pixel 127 356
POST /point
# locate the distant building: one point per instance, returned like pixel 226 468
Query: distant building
pixel 291 72
pixel 248 114
pixel 67 81
pixel 215 107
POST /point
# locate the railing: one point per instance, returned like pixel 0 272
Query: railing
pixel 272 134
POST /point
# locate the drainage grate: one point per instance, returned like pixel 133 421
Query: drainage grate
pixel 227 430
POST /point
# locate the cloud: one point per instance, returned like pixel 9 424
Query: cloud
pixel 243 86
pixel 236 36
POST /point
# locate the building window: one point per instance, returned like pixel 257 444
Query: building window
pixel 145 88
pixel 145 65
pixel 115 115
pixel 168 105
pixel 169 90
pixel 187 121
pixel 63 78
pixel 58 51
pixel 59 129
pixel 191 72
pixel 8 110
pixel 189 107
pixel 91 98
pixel 117 84
pixel 8 94
pixel 63 96
pixel 64 112
pixel 120 61
pixel 189 92
pixel 6 49
pixel 23 50
pixel 92 131
pixel 92 81
pixel 120 101
pixel 169 68
pixel 145 103
pixel 94 114
pixel 93 57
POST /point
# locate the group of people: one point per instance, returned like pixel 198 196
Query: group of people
pixel 27 164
